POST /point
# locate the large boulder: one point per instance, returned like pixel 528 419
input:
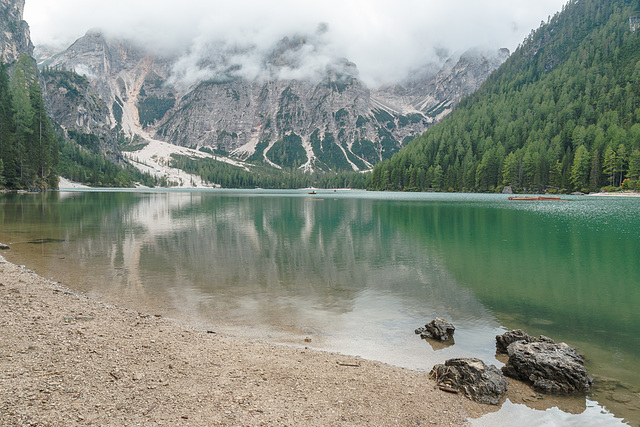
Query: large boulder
pixel 480 382
pixel 550 367
pixel 503 341
pixel 437 329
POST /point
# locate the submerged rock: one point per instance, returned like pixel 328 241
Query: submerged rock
pixel 549 367
pixel 437 329
pixel 481 383
pixel 503 341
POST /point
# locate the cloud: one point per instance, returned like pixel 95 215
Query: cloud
pixel 384 39
pixel 295 56
pixel 84 70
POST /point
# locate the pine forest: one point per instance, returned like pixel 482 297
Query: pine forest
pixel 28 146
pixel 562 114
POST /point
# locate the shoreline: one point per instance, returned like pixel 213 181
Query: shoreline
pixel 68 359
pixel 620 194
pixel 67 185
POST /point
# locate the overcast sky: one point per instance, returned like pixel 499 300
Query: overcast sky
pixel 383 38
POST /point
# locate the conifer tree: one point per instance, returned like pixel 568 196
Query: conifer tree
pixel 594 175
pixel 580 168
pixel 609 165
pixel 634 168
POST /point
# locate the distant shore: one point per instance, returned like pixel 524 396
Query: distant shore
pixel 71 360
pixel 621 194
pixel 66 184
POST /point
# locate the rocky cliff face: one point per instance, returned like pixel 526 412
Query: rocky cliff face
pixel 94 87
pixel 333 123
pixel 14 31
pixel 74 104
pixel 436 96
pixel 281 116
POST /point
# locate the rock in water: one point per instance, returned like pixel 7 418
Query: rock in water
pixel 503 341
pixel 4 247
pixel 550 367
pixel 480 382
pixel 437 329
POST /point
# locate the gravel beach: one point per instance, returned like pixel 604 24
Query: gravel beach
pixel 67 359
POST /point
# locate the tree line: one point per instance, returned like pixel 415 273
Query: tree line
pixel 230 176
pixel 562 114
pixel 92 168
pixel 28 146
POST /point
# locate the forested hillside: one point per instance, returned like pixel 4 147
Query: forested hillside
pixel 562 114
pixel 28 145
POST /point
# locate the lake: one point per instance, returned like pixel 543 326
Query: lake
pixel 356 272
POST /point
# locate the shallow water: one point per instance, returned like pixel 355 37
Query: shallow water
pixel 357 272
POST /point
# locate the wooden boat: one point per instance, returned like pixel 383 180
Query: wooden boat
pixel 549 198
pixel 312 192
pixel 523 198
pixel 532 198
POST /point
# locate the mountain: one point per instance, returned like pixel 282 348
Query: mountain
pixel 436 95
pixel 78 105
pixel 561 114
pixel 294 109
pixel 15 38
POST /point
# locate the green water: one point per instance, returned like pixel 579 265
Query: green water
pixel 358 271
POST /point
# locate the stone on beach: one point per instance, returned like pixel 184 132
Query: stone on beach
pixel 503 341
pixel 550 367
pixel 478 381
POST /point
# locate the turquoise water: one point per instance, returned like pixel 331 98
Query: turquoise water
pixel 357 272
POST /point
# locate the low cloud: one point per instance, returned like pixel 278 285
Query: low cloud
pixel 215 38
pixel 84 70
pixel 292 57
